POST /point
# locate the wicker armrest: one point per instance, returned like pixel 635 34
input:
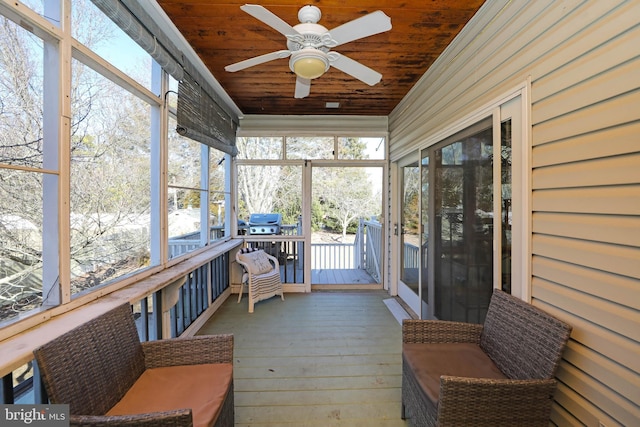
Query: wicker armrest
pixel 189 351
pixel 179 417
pixel 491 402
pixel 439 331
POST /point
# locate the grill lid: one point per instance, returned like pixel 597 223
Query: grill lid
pixel 265 219
pixel 265 223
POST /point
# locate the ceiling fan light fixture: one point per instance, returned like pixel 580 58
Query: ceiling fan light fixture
pixel 309 45
pixel 309 63
pixel 309 68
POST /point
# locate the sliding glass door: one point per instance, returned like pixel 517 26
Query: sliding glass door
pixel 466 221
pixel 462 212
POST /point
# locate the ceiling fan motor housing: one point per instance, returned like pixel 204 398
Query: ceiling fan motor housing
pixel 309 13
pixel 309 35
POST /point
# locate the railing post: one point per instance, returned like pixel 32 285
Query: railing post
pixel 362 248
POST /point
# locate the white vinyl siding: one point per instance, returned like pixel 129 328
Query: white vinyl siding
pixel 583 61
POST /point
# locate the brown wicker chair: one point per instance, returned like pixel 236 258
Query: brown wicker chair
pixel 94 366
pixel 514 386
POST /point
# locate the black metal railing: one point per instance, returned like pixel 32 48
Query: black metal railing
pixel 202 287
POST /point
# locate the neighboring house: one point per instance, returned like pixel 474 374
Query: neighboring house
pixel 184 221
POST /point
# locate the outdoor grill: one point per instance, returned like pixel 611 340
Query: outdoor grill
pixel 265 223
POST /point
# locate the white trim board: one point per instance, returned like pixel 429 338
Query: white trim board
pixel 396 309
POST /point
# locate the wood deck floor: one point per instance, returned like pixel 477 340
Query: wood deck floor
pixel 314 360
pixel 342 277
pixel 328 276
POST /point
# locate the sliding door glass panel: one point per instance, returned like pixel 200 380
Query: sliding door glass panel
pixel 463 215
pixel 424 241
pixel 410 226
pixel 506 205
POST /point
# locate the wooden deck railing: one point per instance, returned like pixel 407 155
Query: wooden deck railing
pixel 333 256
pixel 289 249
pixel 370 234
pixel 166 304
pixel 365 253
pixel 411 256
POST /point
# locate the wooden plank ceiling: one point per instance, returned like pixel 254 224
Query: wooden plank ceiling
pixel 222 34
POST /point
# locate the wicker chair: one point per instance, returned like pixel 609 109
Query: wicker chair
pixel 261 275
pixel 497 374
pixel 101 365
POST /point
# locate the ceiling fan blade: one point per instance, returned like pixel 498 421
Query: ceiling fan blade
pixel 368 25
pixel 303 87
pixel 355 69
pixel 256 60
pixel 269 18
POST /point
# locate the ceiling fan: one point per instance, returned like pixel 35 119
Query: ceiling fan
pixel 309 44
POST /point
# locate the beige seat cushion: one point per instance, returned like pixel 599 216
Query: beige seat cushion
pixel 202 388
pixel 430 361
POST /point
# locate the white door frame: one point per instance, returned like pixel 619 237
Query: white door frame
pixel 513 104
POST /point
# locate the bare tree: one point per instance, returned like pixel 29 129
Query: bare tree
pixel 110 158
pixel 258 185
pixel 346 194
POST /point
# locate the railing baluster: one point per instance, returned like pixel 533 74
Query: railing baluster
pixel 144 318
pixel 194 310
pixel 39 392
pixel 215 279
pixel 202 287
pixel 7 389
pixel 157 315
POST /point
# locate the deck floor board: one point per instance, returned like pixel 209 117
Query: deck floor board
pixel 322 359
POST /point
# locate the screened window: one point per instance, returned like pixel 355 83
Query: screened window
pixel 21 100
pixel 37 5
pixel 321 147
pixel 100 34
pixel 185 193
pixel 360 148
pixel 266 189
pixel 24 180
pixel 218 196
pixel 100 137
pixel 21 257
pixel 110 180
pixel 266 148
